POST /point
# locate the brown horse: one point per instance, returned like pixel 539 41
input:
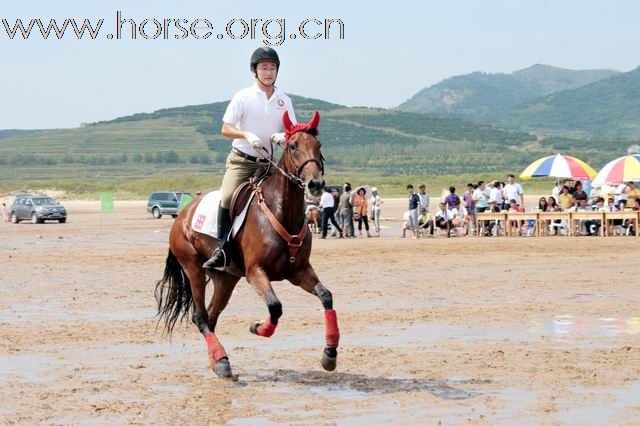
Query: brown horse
pixel 313 217
pixel 267 248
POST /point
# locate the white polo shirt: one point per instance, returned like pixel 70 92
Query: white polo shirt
pixel 327 200
pixel 250 110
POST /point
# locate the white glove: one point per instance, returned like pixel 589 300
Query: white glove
pixel 255 141
pixel 278 138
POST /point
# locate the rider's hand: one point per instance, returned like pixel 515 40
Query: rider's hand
pixel 278 138
pixel 255 141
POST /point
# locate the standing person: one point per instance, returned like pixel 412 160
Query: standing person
pixel 5 212
pixel 345 210
pixel 481 199
pixel 361 209
pixel 632 193
pixel 470 205
pixel 424 196
pixel 513 191
pixel 327 204
pixel 414 201
pixel 376 202
pixel 452 198
pixel 496 192
pixel 253 120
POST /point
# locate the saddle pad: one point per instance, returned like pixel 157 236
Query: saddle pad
pixel 205 219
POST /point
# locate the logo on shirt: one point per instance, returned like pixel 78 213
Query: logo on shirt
pixel 280 103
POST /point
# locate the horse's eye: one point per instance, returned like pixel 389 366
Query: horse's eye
pixel 293 146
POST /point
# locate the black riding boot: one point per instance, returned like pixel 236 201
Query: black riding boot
pixel 221 256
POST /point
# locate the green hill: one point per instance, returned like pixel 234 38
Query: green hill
pixel 481 96
pixel 607 108
pixel 186 140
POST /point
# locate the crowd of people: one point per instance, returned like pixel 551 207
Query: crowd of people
pixel 456 215
pixel 344 211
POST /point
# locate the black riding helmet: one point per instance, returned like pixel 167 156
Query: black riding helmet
pixel 264 53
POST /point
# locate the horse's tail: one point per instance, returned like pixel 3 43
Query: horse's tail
pixel 173 294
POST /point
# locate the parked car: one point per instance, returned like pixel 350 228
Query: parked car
pixel 37 208
pixel 165 202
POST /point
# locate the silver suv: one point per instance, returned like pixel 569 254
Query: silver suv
pixel 37 209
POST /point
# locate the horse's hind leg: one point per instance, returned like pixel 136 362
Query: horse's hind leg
pixel 308 281
pixel 218 358
pixel 259 280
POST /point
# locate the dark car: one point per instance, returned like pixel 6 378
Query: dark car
pixel 165 202
pixel 37 209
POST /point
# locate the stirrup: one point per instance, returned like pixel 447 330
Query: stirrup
pixel 219 255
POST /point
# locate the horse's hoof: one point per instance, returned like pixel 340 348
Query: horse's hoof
pixel 223 369
pixel 329 359
pixel 254 327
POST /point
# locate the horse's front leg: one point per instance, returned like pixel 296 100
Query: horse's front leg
pixel 260 281
pixel 308 280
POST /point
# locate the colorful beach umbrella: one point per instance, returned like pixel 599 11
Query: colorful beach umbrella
pixel 559 166
pixel 620 170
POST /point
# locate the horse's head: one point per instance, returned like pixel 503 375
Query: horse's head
pixel 302 156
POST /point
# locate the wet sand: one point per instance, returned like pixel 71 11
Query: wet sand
pixel 461 330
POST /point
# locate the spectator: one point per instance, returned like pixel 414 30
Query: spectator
pixel 360 210
pixel 452 198
pixel 566 200
pixel 376 202
pixel 459 217
pixel 515 208
pixel 543 206
pixel 632 193
pixel 5 212
pixel 596 224
pixel 481 197
pixel 552 206
pixel 424 196
pixel 583 206
pixel 345 211
pixel 634 223
pixel 513 191
pixel 470 205
pixel 406 223
pixel 327 204
pixel 443 219
pixel 425 221
pixel 414 201
pixel 496 191
pixel 579 194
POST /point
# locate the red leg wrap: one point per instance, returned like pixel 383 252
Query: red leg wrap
pixel 266 329
pixel 332 334
pixel 216 351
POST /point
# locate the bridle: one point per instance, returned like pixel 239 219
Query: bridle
pixel 295 178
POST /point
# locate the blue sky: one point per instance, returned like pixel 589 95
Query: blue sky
pixel 391 50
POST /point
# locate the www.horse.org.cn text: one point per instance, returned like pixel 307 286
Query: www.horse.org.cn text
pixel 270 31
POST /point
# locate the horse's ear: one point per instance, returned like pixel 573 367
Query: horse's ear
pixel 286 121
pixel 315 120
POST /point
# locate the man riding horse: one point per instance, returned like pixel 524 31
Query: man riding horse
pixel 253 120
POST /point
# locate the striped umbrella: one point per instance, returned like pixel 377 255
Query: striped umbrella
pixel 620 170
pixel 559 166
